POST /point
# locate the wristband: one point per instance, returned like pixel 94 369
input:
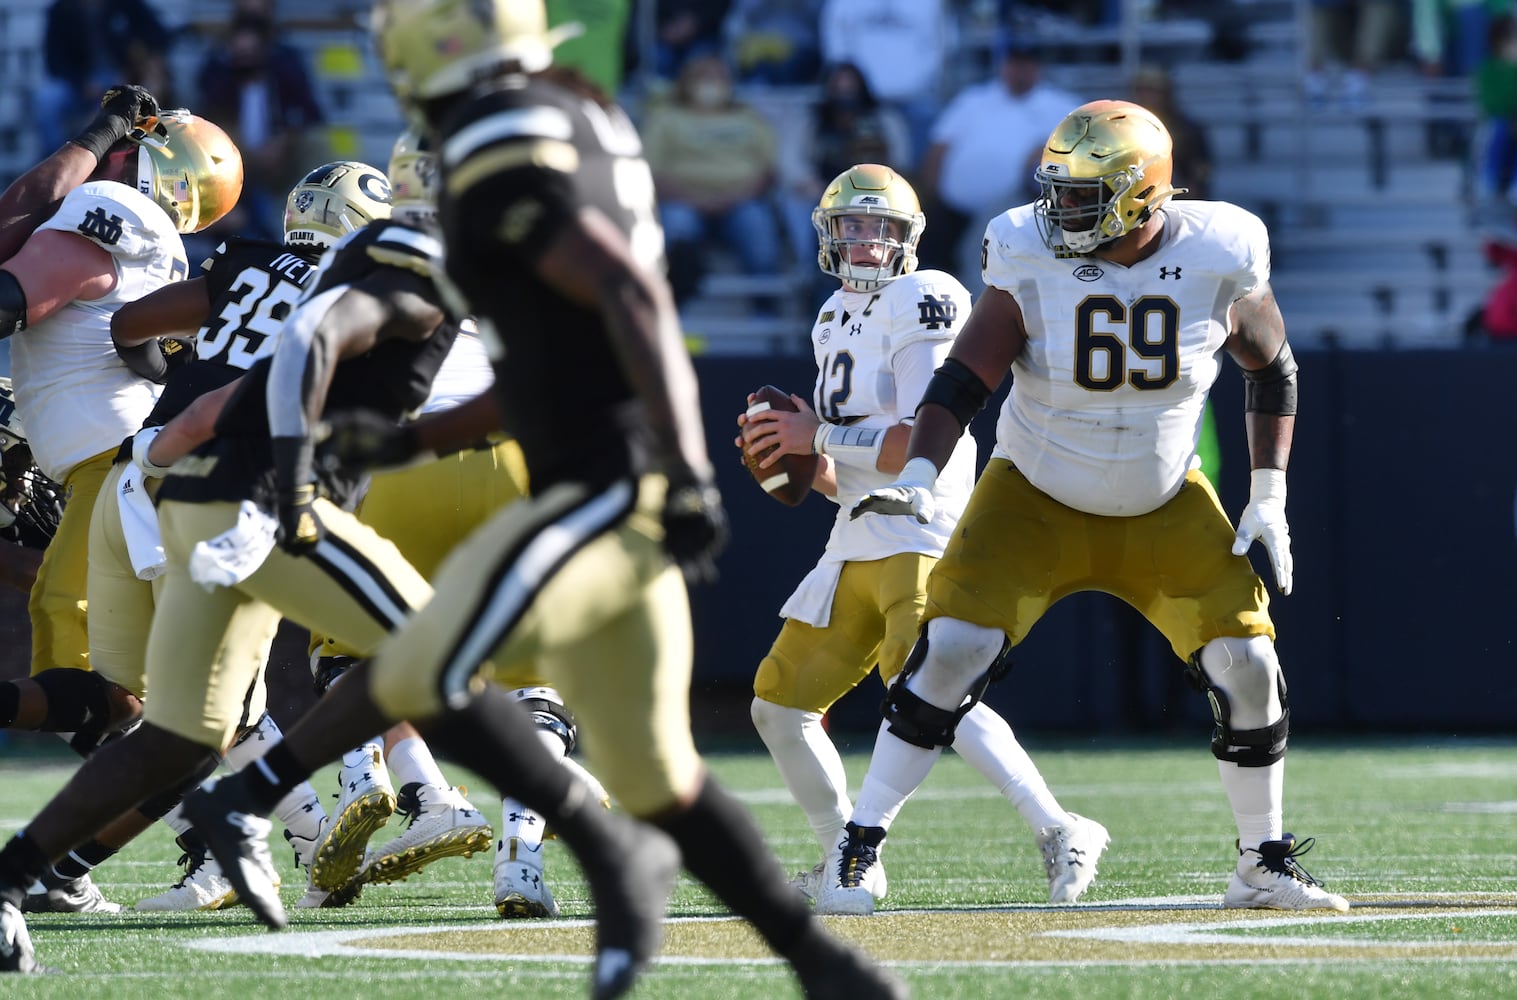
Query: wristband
pixel 1267 484
pixel 102 133
pixel 855 446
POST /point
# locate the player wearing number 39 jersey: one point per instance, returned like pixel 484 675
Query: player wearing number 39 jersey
pixel 1112 305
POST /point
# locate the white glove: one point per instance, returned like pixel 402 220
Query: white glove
pixel 910 494
pixel 1264 518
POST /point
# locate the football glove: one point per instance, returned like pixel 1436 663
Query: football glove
pixel 1264 519
pixel 363 439
pixel 122 107
pixel 695 526
pixel 910 494
pixel 300 528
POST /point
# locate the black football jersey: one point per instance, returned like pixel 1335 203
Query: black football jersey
pixel 251 286
pixel 393 378
pixel 519 162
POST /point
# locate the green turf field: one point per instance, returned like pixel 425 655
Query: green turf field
pixel 1417 833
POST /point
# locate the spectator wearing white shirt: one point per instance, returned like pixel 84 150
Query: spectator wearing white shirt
pixel 900 47
pixel 985 147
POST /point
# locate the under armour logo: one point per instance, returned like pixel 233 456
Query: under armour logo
pixel 1165 272
pixel 524 818
pixel 855 329
pixel 99 226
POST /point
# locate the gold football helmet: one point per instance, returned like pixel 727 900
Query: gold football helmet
pixel 868 205
pixel 413 180
pixel 334 200
pixel 1105 169
pixel 432 48
pixel 189 166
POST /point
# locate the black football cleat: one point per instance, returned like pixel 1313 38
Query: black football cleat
pixel 225 817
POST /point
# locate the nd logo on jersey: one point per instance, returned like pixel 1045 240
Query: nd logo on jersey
pixel 937 311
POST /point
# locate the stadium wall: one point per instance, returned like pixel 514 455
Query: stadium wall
pixel 1402 484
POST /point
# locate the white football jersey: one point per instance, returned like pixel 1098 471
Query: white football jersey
pixel 1106 400
pixel 465 372
pixel 76 397
pixel 875 352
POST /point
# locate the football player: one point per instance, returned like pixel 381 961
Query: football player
pixel 427 509
pixel 238 307
pixel 112 239
pixel 375 309
pixel 877 340
pixel 30 503
pixel 1113 306
pixel 553 243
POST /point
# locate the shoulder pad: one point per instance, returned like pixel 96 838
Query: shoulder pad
pixel 114 217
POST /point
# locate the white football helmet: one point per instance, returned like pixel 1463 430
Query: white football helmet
pixel 413 181
pixel 189 166
pixel 433 48
pixel 868 205
pixel 1105 168
pixel 333 200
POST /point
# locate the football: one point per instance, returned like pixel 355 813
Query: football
pixel 788 480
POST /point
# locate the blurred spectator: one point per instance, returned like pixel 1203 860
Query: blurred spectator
pixel 258 88
pixel 1449 36
pixel 1496 100
pixel 846 126
pixel 684 29
pixel 985 147
pixel 1153 88
pixel 598 50
pixel 87 46
pixel 775 42
pixel 1497 321
pixel 1353 37
pixel 714 165
pixel 900 47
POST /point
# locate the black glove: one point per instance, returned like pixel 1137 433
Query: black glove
pixel 363 439
pixel 695 527
pixel 299 527
pixel 121 108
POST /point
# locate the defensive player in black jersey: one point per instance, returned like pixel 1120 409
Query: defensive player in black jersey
pixel 553 244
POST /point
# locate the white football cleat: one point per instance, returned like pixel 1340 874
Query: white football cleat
pixel 363 806
pixel 809 882
pixel 520 890
pixel 855 878
pixel 1274 880
pixel 75 895
pixel 443 824
pixel 314 898
pixel 1070 854
pixel 203 887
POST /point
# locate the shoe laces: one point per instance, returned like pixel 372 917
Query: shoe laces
pixel 408 803
pixel 191 863
pixel 858 857
pixel 1279 856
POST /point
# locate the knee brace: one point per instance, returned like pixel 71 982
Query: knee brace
pixel 922 723
pixel 549 714
pixel 1244 747
pixel 85 704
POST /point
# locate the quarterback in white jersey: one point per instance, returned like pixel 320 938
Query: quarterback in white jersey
pixel 1111 303
pixel 113 239
pixel 877 341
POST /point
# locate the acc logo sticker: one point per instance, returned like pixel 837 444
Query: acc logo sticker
pixel 1088 272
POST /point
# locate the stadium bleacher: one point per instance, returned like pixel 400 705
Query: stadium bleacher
pixel 1370 210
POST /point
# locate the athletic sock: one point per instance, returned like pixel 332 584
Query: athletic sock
pixel 273 776
pixel 410 760
pixel 723 848
pixel 79 862
pixel 22 863
pixel 985 740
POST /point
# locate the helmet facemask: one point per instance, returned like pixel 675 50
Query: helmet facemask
pixel 1081 214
